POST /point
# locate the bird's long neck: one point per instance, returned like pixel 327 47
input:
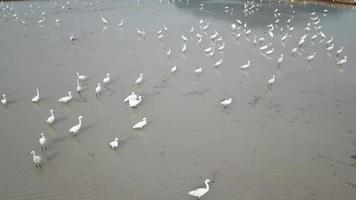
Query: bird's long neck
pixel 52 113
pixel 80 122
pixel 206 185
pixel 78 82
pixel 37 93
pixel 70 95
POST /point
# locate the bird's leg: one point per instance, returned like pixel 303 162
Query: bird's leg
pixel 46 147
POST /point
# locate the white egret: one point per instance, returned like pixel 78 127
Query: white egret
pixel 81 77
pixel 184 47
pixel 114 144
pixel 246 65
pixel 200 191
pixel 36 159
pixel 140 124
pixel 342 61
pixel 75 129
pixel 72 37
pixel 269 52
pixel 50 119
pixel 184 38
pixel 280 59
pixel 135 102
pixel 121 23
pixel 98 89
pixel 339 51
pixel 66 99
pixel 310 57
pixel 329 48
pixel 198 71
pixel 106 80
pixel 43 142
pixel 226 102
pixel 208 49
pixel 271 81
pixel 132 96
pixel 104 20
pixel 79 87
pixel 37 97
pixel 169 52
pixel 139 79
pixel 218 63
pixel 174 69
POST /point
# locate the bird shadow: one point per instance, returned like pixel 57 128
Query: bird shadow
pixel 59 139
pixel 52 156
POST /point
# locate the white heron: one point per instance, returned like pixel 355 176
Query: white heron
pixel 43 142
pixel 174 69
pixel 132 96
pixel 121 23
pixel 37 97
pixel 221 47
pixel 184 47
pixel 140 124
pixel 75 129
pixel 81 77
pixel 339 51
pixel 280 59
pixel 329 48
pixel 208 49
pixel 106 80
pixel 226 102
pixel 310 57
pixel 104 20
pixel 342 61
pixel 98 89
pixel 36 159
pixel 72 37
pixel 218 63
pixel 200 191
pixel 246 65
pixel 269 52
pixel 184 38
pixel 271 81
pixel 135 102
pixel 139 79
pixel 114 144
pixel 169 52
pixel 66 99
pixel 198 71
pixel 294 50
pixel 50 119
pixel 79 87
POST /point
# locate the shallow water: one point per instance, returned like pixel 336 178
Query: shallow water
pixel 292 142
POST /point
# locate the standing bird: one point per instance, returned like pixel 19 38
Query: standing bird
pixel 36 159
pixel 121 23
pixel 218 63
pixel 79 87
pixel 174 69
pixel 43 142
pixel 66 99
pixel 106 80
pixel 200 191
pixel 50 119
pixel 104 20
pixel 339 51
pixel 342 61
pixel 310 58
pixel 198 71
pixel 75 129
pixel 139 79
pixel 271 81
pixel 140 124
pixel 3 100
pixel 246 65
pixel 226 102
pixel 280 60
pixel 114 144
pixel 98 89
pixel 81 77
pixel 184 38
pixel 134 102
pixel 37 97
pixel 132 96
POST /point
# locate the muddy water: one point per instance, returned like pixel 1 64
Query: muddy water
pixel 292 142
